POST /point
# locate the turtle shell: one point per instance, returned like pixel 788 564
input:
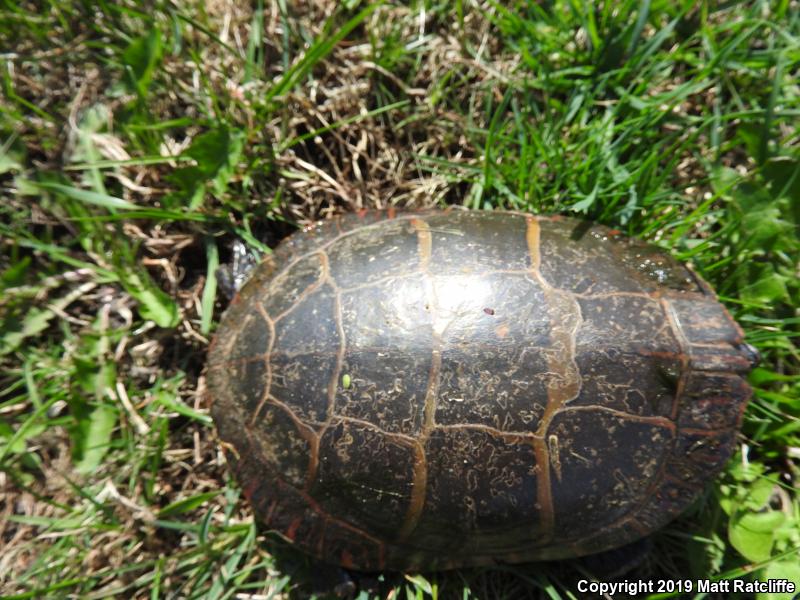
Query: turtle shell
pixel 444 389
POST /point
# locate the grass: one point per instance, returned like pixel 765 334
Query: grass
pixel 138 140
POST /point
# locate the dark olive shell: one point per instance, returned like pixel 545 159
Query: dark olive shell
pixel 443 389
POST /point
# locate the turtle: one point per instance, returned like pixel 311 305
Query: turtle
pixel 439 389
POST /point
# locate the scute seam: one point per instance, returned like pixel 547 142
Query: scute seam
pixel 565 385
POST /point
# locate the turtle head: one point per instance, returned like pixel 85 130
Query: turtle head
pixel 231 276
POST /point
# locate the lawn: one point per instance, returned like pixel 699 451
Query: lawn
pixel 140 140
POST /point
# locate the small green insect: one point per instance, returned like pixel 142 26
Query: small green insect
pixel 346 381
